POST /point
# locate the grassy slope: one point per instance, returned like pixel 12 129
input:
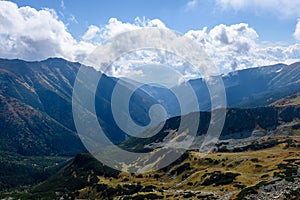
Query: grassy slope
pixel 208 176
pixel 288 101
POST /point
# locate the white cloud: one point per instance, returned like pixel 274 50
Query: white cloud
pixel 238 38
pixel 297 31
pixel 91 33
pixel 229 47
pixel 286 8
pixel 197 35
pixel 155 23
pixel 96 34
pixel 29 34
pixel 115 26
pixel 236 47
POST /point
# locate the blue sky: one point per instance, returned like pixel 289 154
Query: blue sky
pixel 270 24
pixel 236 34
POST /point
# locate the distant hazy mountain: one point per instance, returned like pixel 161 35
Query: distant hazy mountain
pixel 244 88
pixel 263 85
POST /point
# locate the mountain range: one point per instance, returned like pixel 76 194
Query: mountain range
pixel 36 98
pixel 39 137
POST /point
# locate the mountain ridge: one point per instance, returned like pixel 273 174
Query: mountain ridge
pixel 36 109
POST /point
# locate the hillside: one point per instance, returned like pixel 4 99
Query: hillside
pixel 218 175
pixel 36 116
pixel 241 124
pixel 36 105
pixel 288 101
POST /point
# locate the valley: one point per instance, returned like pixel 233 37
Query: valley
pixel 141 100
pixel 42 157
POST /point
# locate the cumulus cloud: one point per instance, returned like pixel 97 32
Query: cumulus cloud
pixel 96 34
pixel 237 47
pixel 238 38
pixel 91 33
pixel 297 31
pixel 29 34
pixel 286 8
pixel 228 46
pixel 197 35
pixel 115 26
